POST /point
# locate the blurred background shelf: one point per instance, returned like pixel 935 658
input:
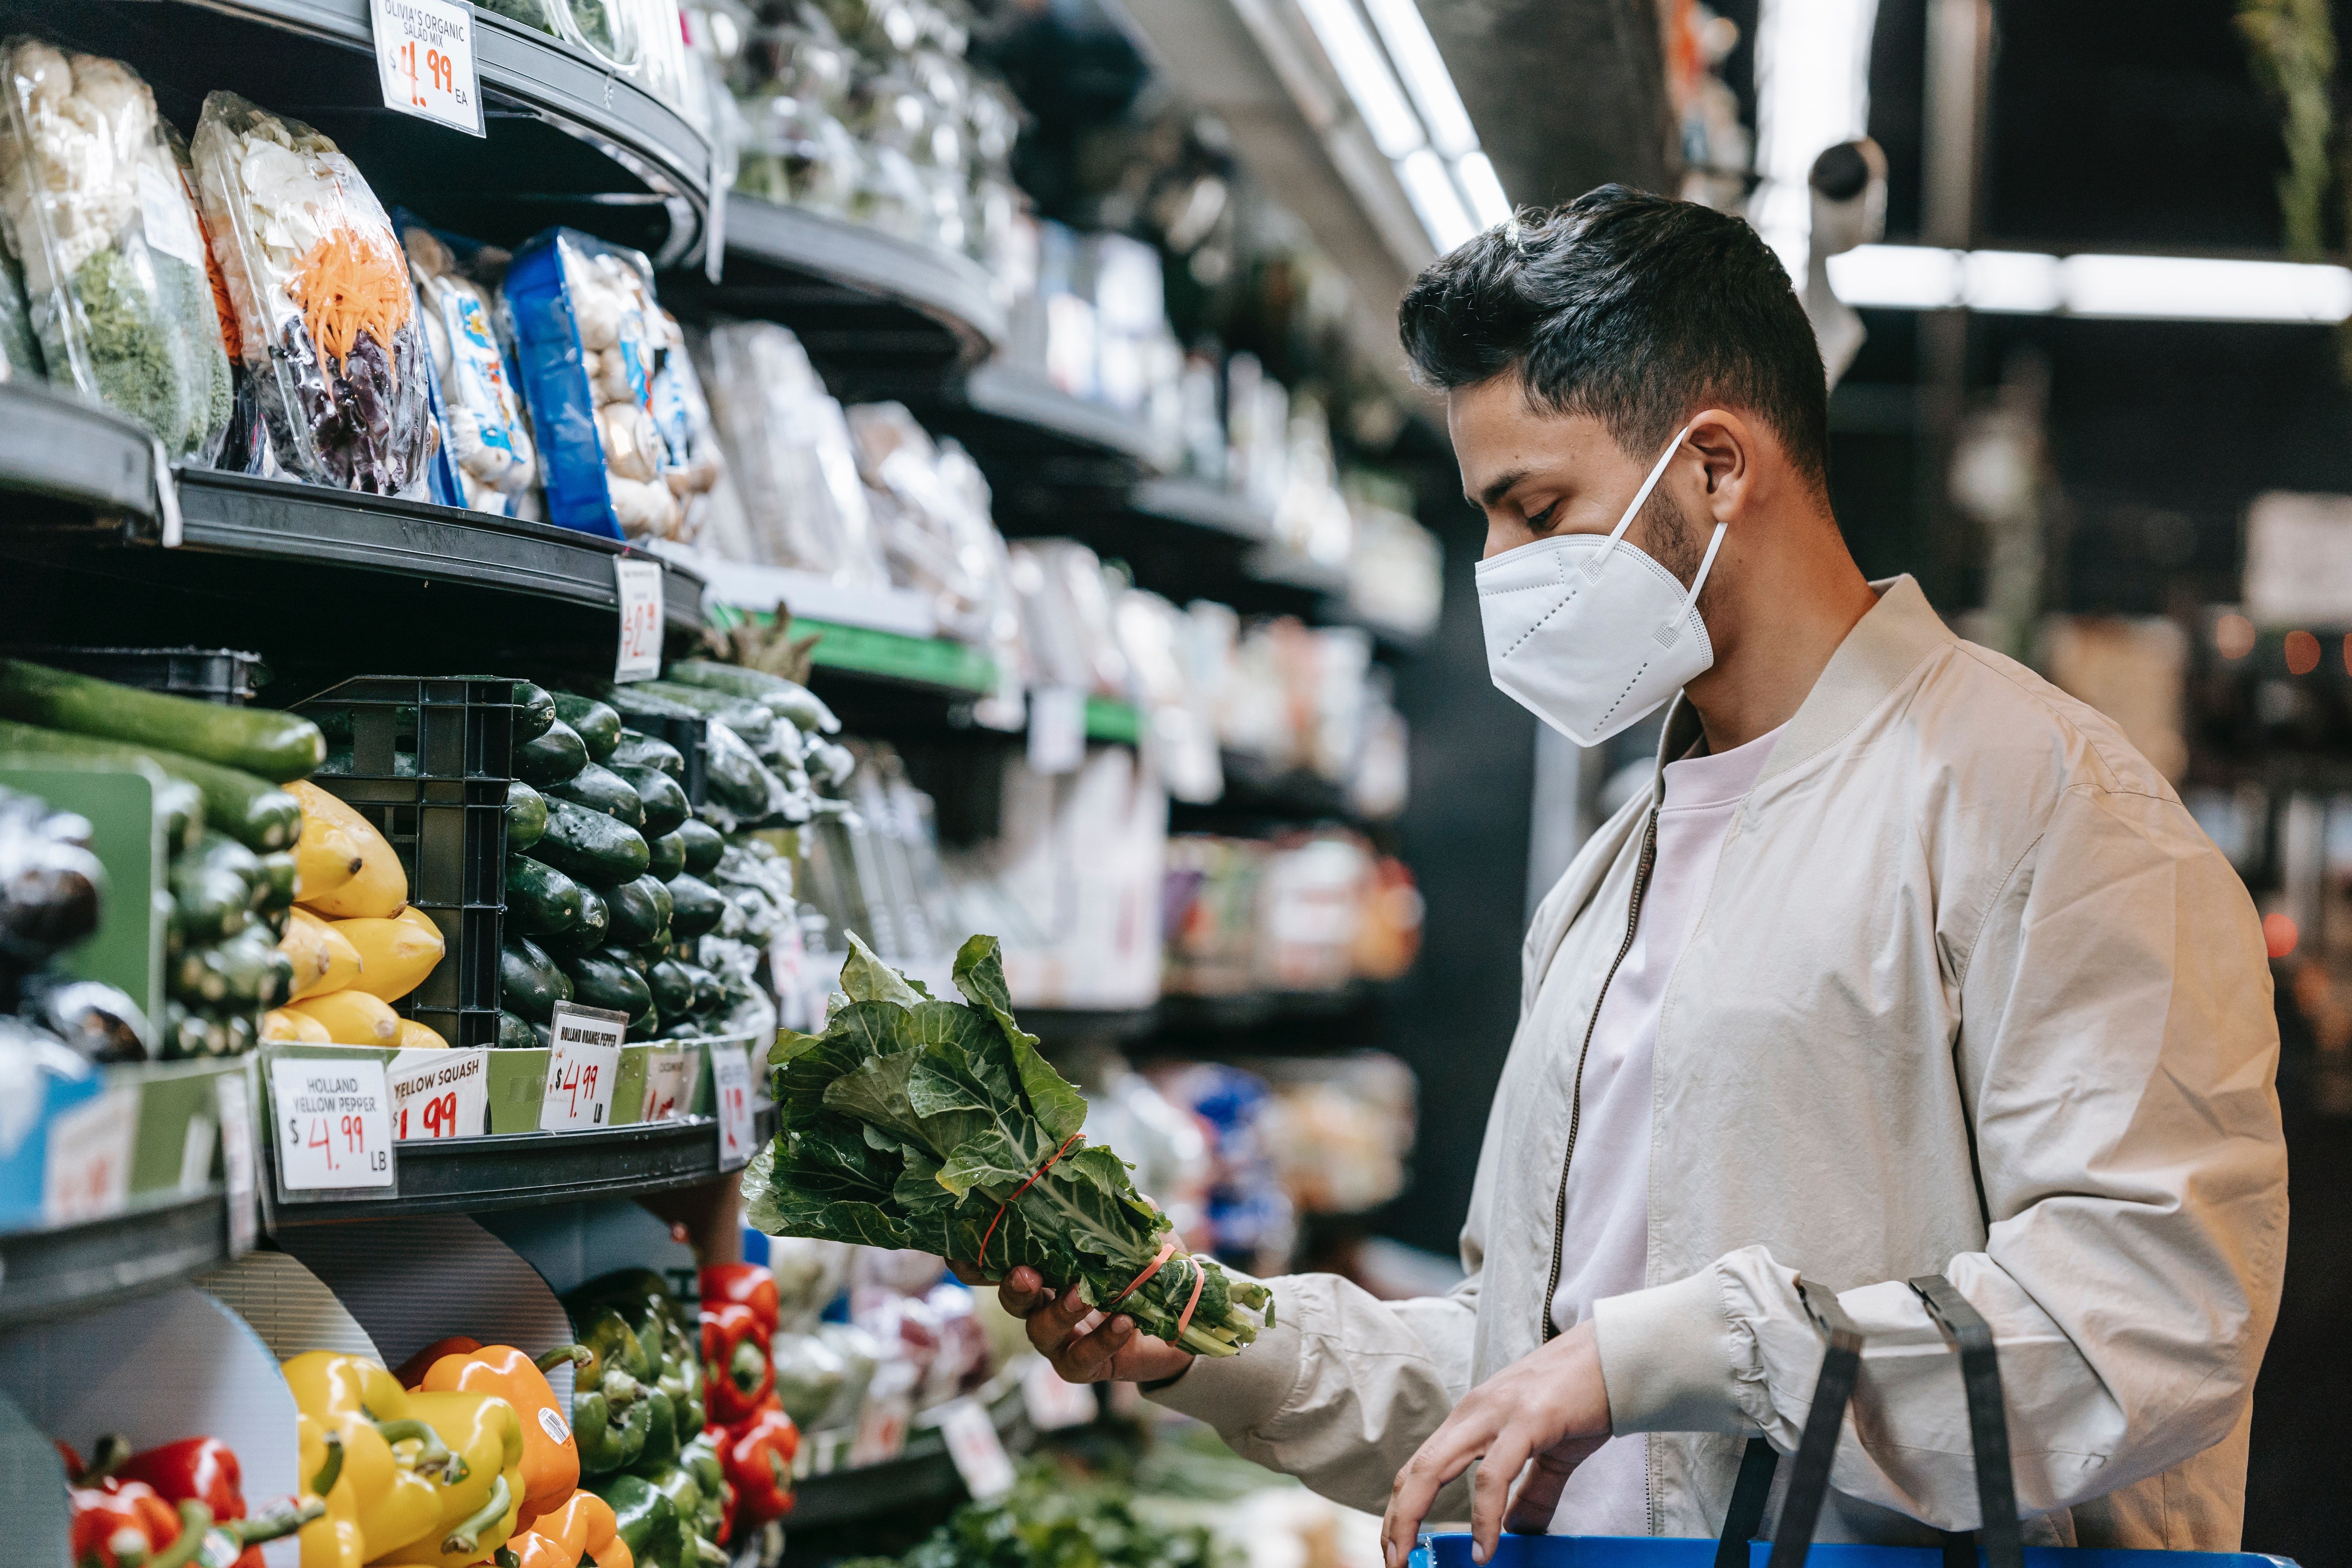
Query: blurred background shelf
pixel 72 1268
pixel 58 452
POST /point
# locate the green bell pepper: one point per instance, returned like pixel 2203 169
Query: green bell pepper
pixel 701 1460
pixel 612 1408
pixel 646 1520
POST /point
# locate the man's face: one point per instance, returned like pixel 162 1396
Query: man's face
pixel 1537 475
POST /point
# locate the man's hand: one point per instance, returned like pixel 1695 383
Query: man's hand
pixel 1082 1345
pixel 1550 1406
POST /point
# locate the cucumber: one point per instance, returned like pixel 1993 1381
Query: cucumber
pixel 673 988
pixel 213 889
pixel 648 751
pixel 665 856
pixel 187 1033
pixel 589 846
pixel 696 907
pixel 182 804
pixel 745 717
pixel 601 789
pixel 646 1026
pixel 709 991
pixel 661 803
pixel 640 911
pixel 257 814
pixel 526 814
pixel 636 701
pixel 595 918
pixel 704 846
pixel 274 890
pixel 600 979
pixel 736 780
pixel 534 710
pixel 259 741
pixel 541 899
pixel 787 699
pixel 551 759
pixel 515 1032
pixel 596 724
pixel 529 981
pixel 244 971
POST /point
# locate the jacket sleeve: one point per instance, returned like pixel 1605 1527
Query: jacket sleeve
pixel 2117 1054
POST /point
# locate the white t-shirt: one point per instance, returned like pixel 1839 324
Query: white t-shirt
pixel 1605 1237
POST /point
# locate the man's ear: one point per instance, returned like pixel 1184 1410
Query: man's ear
pixel 1725 445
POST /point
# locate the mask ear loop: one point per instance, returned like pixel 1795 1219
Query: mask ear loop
pixel 1600 558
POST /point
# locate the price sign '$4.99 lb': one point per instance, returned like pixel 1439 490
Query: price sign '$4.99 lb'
pixel 334 1130
pixel 583 1059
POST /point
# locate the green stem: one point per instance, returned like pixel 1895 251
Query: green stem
pixel 281 1521
pixel 108 1456
pixel 578 1355
pixel 331 1469
pixel 467 1536
pixel 432 1453
pixel 196 1523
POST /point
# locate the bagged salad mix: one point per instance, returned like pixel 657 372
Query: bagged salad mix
pixel 96 212
pixel 482 412
pixel 326 318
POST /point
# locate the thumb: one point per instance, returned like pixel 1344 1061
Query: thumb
pixel 1538 1498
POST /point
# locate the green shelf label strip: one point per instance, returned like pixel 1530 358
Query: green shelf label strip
pixel 931 661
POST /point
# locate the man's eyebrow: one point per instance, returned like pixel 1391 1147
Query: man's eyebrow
pixel 1500 487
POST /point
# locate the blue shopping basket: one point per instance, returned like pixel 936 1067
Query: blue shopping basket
pixel 1791 1544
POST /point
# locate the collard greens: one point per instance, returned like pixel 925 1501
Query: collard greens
pixel 911 1121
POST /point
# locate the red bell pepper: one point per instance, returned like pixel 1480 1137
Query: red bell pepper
pixel 747 1283
pixel 758 1457
pixel 411 1372
pixel 204 1470
pixel 739 1370
pixel 116 1523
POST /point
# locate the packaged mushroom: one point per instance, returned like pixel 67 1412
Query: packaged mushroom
pixel 481 416
pixel 592 343
pixel 326 318
pixel 96 215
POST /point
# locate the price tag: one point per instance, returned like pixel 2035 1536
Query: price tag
pixel 731 1082
pixel 235 1107
pixel 333 1128
pixel 197 1155
pixel 640 583
pixel 1053 1403
pixel 424 56
pixel 669 1085
pixel 87 1174
pixel 1057 729
pixel 164 218
pixel 977 1450
pixel 882 1419
pixel 439 1094
pixel 583 1061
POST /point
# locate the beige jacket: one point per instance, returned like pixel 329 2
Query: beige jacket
pixel 1971 995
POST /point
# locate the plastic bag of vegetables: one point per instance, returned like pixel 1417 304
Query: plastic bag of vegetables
pixel 482 415
pixel 326 319
pixel 95 212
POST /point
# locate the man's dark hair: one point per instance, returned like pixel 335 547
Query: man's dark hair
pixel 1629 307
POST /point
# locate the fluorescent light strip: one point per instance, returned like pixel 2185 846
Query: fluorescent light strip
pixel 1488 205
pixel 1425 76
pixel 2127 287
pixel 1813 92
pixel 1431 190
pixel 1379 102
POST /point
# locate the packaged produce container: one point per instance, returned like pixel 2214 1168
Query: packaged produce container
pixel 325 316
pixel 592 345
pixel 96 216
pixel 480 414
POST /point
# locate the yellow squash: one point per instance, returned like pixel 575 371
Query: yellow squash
pixel 324 958
pixel 417 1036
pixel 278 1024
pixel 381 887
pixel 326 857
pixel 352 1017
pixel 395 955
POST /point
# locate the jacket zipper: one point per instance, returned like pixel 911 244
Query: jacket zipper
pixel 1576 1101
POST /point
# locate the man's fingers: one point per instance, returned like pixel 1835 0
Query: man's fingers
pixel 1086 1358
pixel 1023 1291
pixel 1491 1492
pixel 1538 1498
pixel 968 1272
pixel 1445 1454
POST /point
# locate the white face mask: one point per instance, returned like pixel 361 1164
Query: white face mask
pixel 1589 633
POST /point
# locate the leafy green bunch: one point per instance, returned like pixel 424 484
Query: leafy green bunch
pixel 914 1122
pixel 1052 1521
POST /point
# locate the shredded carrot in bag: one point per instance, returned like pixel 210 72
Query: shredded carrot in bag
pixel 347 285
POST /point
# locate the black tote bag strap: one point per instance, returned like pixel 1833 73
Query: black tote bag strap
pixel 1745 1517
pixel 1967 1329
pixel 1809 1483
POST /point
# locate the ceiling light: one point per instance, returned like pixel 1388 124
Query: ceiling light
pixel 2143 288
pixel 1379 102
pixel 2008 280
pixel 1434 197
pixel 1897 277
pixel 1488 205
pixel 1813 92
pixel 1425 76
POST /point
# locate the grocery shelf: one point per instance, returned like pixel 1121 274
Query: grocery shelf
pixel 922 1474
pixel 567 141
pixel 1118 722
pixel 1045 454
pixel 873 310
pixel 1210 507
pixel 57 447
pixel 49 1273
pixel 1080 1026
pixel 476 1175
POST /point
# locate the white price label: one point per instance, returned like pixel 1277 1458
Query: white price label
pixel 87 1174
pixel 669 1085
pixel 235 1107
pixel 977 1450
pixel 424 56
pixel 583 1059
pixel 1053 1403
pixel 164 218
pixel 730 1083
pixel 1057 729
pixel 640 583
pixel 333 1128
pixel 197 1155
pixel 439 1094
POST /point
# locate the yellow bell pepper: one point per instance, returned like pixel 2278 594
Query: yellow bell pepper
pixel 478 1511
pixel 334 1539
pixel 394 1462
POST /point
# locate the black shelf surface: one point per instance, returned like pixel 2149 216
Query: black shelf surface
pixel 57 448
pixel 48 1273
pixel 922 1474
pixel 1046 455
pixel 874 312
pixel 567 141
pixel 518 1170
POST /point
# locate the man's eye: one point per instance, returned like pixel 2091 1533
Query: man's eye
pixel 1540 520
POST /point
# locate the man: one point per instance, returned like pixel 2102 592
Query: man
pixel 1907 963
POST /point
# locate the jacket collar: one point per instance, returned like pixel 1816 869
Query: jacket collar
pixel 1884 647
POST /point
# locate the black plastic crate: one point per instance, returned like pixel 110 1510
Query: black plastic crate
pixel 428 759
pixel 692 738
pixel 220 675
